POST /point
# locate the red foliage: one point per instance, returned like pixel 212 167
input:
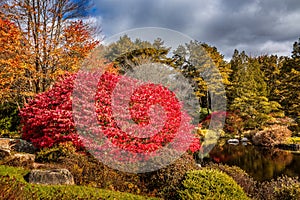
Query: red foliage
pixel 232 124
pixel 218 118
pixel 48 119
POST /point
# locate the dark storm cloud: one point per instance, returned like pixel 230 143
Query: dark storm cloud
pixel 257 26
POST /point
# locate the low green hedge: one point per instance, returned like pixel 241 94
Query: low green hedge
pixel 13 186
pixel 243 179
pixel 210 184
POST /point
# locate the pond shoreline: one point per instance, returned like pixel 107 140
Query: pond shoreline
pixel 260 162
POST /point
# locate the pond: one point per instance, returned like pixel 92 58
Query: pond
pixel 260 163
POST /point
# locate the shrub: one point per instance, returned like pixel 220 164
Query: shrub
pixel 273 189
pixel 210 184
pixel 209 136
pixel 48 119
pixel 89 171
pixel 288 192
pixel 9 120
pixel 217 116
pixel 243 179
pixel 271 136
pixel 56 152
pixel 234 124
pixel 163 183
pixel 166 181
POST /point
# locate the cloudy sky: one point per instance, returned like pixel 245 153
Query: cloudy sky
pixel 256 26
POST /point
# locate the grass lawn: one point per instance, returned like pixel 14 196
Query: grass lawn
pixel 13 186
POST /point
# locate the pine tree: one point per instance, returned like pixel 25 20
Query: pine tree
pixel 207 70
pixel 249 92
pixel 290 84
pixel 271 66
pixel 126 53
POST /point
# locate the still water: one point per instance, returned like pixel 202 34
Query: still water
pixel 260 163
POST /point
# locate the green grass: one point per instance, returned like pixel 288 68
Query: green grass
pixel 13 186
pixel 13 172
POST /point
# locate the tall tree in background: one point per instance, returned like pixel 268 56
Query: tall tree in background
pixel 54 42
pixel 206 69
pixel 238 59
pixel 271 67
pixel 290 84
pixel 249 92
pixel 126 53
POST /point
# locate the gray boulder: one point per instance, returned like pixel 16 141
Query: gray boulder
pixel 51 177
pixel 20 145
pixel 17 145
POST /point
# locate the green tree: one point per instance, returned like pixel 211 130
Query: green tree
pixel 126 53
pixel 249 92
pixel 290 84
pixel 206 69
pixel 271 67
pixel 237 60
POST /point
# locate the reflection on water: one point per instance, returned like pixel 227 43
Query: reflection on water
pixel 260 163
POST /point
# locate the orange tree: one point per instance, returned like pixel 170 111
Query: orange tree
pixel 12 55
pixel 53 41
pixel 39 41
pixel 12 75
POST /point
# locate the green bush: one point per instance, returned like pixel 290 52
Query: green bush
pixel 210 184
pixel 166 181
pixel 9 120
pixel 55 153
pixel 243 179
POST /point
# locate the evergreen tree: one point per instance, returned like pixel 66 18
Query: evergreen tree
pixel 206 69
pixel 271 66
pixel 126 53
pixel 249 92
pixel 290 84
pixel 237 60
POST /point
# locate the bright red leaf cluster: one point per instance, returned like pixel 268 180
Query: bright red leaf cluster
pixel 47 119
pixel 134 136
pixel 135 124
